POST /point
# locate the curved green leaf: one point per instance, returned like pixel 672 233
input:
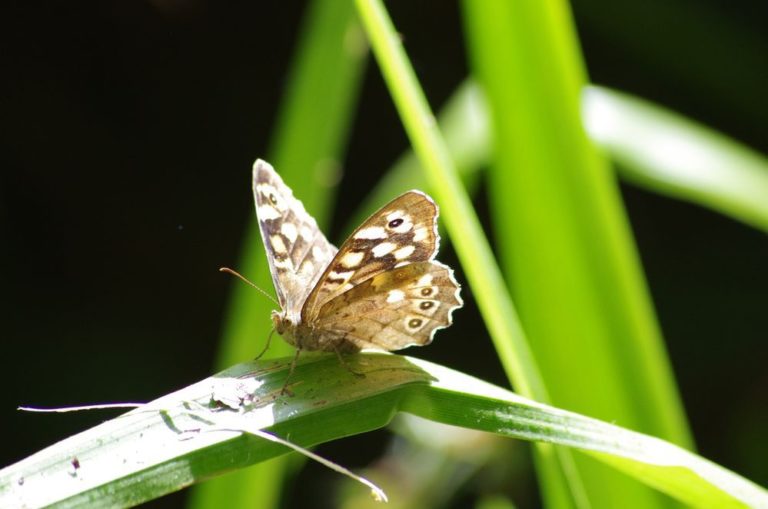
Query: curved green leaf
pixel 179 440
pixel 667 153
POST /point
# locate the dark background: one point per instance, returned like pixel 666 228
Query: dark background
pixel 128 132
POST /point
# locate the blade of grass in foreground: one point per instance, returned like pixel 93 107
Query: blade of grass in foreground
pixel 457 212
pixel 311 134
pixel 563 236
pixel 464 123
pixel 178 440
pixel 474 250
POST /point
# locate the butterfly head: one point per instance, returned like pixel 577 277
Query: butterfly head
pixel 280 321
pixel 284 326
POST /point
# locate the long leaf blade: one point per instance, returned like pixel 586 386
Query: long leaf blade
pixel 177 440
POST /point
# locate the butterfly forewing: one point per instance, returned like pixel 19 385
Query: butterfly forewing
pixel 296 248
pixel 402 232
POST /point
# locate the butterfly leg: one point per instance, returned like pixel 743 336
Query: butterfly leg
pixel 285 389
pixel 346 365
pixel 266 347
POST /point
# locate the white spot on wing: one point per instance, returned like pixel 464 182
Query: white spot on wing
pixel 278 246
pixel 306 233
pixel 352 259
pixel 424 280
pixel 318 253
pixel 371 233
pixel 340 275
pixel 307 268
pixel 267 212
pixel 420 234
pixel 289 230
pixel 395 296
pixel 265 189
pixel 404 252
pixel 283 264
pixel 383 249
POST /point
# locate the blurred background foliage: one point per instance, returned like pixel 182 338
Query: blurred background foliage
pixel 129 132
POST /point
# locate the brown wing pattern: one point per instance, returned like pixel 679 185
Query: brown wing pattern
pixel 394 309
pixel 402 232
pixel 297 250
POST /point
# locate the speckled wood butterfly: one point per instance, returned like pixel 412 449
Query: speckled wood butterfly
pixel 382 290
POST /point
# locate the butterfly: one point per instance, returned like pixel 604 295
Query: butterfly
pixel 381 290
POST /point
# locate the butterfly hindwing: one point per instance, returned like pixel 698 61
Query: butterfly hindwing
pixel 394 309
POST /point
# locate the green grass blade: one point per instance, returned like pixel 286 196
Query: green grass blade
pixel 464 124
pixel 462 223
pixel 563 235
pixel 178 440
pixel 457 212
pixel 309 138
pixel 669 154
pixel 712 170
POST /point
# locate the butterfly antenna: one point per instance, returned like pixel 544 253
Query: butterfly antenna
pixel 242 278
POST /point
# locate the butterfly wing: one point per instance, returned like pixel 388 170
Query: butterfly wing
pixel 297 250
pixel 394 309
pixel 402 232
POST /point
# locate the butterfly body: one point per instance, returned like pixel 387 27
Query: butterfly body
pixel 381 290
pixel 306 337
